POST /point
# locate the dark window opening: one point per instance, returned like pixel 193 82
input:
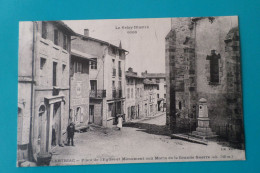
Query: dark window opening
pixel 63 68
pixel 44 30
pixel 65 42
pixel 42 63
pixel 93 85
pixel 180 106
pixel 113 50
pixel 54 74
pixel 93 64
pixel 113 85
pixel 214 67
pixel 56 37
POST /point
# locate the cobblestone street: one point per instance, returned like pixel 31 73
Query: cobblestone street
pixel 142 141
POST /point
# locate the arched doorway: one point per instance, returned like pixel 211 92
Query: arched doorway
pixel 42 130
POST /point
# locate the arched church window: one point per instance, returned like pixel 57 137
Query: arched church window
pixel 214 67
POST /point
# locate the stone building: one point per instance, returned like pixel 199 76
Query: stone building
pixel 43 88
pixel 107 78
pixel 134 95
pixel 203 61
pixel 79 88
pixel 149 98
pixel 160 79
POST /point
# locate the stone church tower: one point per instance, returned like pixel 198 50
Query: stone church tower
pixel 203 61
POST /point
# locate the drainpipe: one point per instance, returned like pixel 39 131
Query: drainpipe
pixel 30 146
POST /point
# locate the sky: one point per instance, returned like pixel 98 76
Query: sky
pixel 143 38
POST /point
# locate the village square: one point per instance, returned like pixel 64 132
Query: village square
pixel 81 102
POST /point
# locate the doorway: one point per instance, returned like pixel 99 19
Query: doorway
pixel 56 124
pixel 42 131
pixel 91 114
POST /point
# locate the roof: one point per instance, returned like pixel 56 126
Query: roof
pixel 148 82
pixel 127 74
pixel 231 34
pixel 82 55
pixel 100 41
pixel 154 75
pixel 63 25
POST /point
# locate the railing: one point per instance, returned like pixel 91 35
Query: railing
pixel 117 93
pixel 114 72
pixel 97 93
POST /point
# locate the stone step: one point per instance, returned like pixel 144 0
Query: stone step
pixel 203 133
pixel 204 136
pixel 189 138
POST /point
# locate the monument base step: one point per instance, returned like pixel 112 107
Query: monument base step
pixel 203 135
pixel 189 138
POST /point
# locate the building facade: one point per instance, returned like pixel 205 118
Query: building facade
pixel 43 99
pixel 160 79
pixel 134 95
pixel 150 98
pixel 203 61
pixel 79 89
pixel 107 78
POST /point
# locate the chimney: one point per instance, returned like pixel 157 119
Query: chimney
pixel 86 32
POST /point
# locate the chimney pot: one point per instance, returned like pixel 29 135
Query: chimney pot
pixel 86 32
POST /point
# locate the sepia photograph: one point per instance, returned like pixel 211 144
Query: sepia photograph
pixel 119 91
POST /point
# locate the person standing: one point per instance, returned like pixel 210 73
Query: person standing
pixel 70 132
pixel 119 122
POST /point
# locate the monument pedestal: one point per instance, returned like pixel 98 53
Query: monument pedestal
pixel 203 130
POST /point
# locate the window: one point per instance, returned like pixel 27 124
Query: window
pixel 56 37
pixel 93 64
pixel 63 68
pixel 164 95
pixel 42 63
pixel 93 84
pixel 132 93
pixel 157 80
pixel 54 74
pixel 180 106
pixel 113 85
pixel 78 115
pixel 79 67
pixel 158 87
pixel 128 93
pixel 158 95
pixel 65 42
pixel 113 63
pixel 119 85
pixel 113 50
pixel 119 69
pixel 44 30
pixel 214 67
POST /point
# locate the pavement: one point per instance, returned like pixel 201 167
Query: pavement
pixel 145 140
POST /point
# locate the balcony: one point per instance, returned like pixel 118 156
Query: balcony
pixel 97 94
pixel 117 93
pixel 114 72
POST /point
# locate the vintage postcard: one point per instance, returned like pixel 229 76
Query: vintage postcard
pixel 129 91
